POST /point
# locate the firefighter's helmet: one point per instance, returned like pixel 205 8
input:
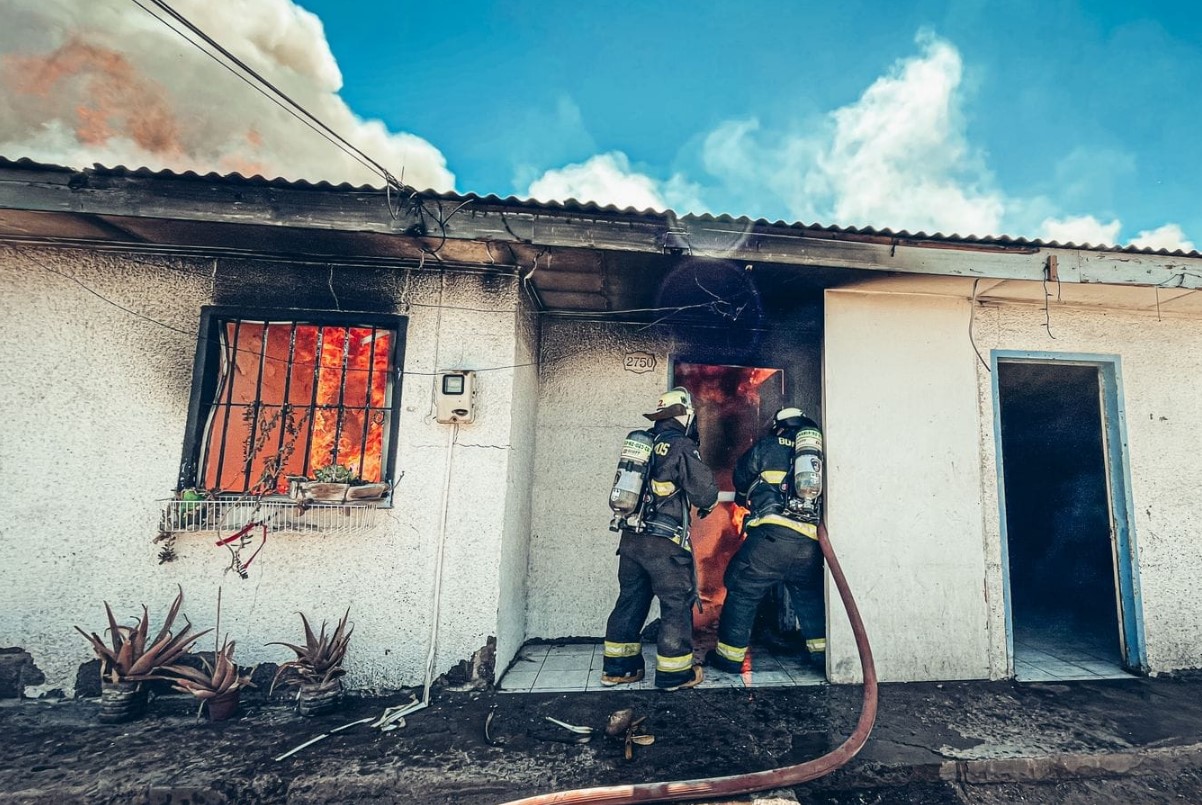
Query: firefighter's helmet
pixel 674 404
pixel 789 417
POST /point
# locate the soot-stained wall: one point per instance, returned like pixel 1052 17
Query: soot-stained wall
pixel 94 403
pixel 590 396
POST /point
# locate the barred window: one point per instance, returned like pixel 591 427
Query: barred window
pixel 286 395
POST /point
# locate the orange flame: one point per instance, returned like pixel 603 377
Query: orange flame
pixel 737 515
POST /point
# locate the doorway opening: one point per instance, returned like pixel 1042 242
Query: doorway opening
pixel 734 405
pixel 1065 542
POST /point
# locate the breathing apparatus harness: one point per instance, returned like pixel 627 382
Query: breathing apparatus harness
pixel 797 492
pixel 635 468
pixel 633 497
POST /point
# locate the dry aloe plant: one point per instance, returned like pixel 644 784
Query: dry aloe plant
pixel 319 661
pixel 132 658
pixel 215 680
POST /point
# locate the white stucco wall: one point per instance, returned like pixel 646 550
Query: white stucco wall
pixel 913 505
pixel 587 403
pixel 1162 391
pixel 515 544
pixel 904 506
pixel 94 404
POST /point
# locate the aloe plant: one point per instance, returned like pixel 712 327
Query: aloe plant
pixel 319 661
pixel 132 657
pixel 217 679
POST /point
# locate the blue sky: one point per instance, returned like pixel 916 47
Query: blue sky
pixel 1075 108
pixel 1066 120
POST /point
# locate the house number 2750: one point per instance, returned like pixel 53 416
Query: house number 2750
pixel 639 362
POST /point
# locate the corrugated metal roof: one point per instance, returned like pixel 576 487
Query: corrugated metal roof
pixel 589 207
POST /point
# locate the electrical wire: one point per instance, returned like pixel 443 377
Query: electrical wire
pixel 399 372
pixel 297 110
pixel 972 313
pixel 259 355
pixel 304 115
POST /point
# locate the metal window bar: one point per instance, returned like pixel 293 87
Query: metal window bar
pixel 229 373
pixel 367 415
pixel 255 410
pixel 341 411
pixel 228 370
pixel 286 401
pixel 317 353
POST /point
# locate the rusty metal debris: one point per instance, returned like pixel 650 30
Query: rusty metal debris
pixel 623 724
pixel 619 722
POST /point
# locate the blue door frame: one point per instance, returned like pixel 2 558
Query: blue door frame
pixel 1118 472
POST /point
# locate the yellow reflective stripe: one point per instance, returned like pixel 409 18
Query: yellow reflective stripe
pixel 805 529
pixel 773 477
pixel 731 653
pixel 816 645
pixel 671 665
pixel 663 488
pixel 621 649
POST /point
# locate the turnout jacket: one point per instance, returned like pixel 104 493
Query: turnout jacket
pixel 678 478
pixel 760 476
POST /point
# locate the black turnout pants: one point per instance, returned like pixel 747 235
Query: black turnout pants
pixel 772 554
pixel 652 566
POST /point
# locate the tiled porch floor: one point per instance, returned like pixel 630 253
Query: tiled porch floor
pixel 1049 650
pixel 577 667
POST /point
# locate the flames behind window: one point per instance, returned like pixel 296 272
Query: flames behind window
pixel 734 403
pixel 295 397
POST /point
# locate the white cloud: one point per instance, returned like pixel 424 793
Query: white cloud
pixel 1080 229
pixel 900 157
pixel 897 157
pixel 610 179
pixel 1168 237
pixel 104 82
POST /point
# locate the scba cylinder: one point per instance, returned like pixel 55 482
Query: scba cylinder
pixel 631 478
pixel 807 473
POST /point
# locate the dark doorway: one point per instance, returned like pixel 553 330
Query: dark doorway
pixel 1058 522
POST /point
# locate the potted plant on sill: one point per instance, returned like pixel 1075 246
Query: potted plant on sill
pixel 218 686
pixel 334 483
pixel 133 659
pixel 317 669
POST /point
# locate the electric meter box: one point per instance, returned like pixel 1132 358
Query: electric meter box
pixel 456 398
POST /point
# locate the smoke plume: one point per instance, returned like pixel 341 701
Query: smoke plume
pixel 104 82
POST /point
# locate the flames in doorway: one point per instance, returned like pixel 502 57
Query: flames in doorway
pixel 734 404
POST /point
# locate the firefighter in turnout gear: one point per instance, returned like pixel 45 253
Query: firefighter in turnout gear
pixel 779 481
pixel 656 559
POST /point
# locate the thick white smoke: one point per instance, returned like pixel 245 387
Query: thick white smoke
pixel 101 81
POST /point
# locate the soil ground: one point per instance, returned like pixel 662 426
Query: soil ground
pixel 55 751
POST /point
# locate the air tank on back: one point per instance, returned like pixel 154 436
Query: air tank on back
pixel 634 465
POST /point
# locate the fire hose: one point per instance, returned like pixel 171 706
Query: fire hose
pixel 782 777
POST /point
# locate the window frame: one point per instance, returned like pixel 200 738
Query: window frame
pixel 206 371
